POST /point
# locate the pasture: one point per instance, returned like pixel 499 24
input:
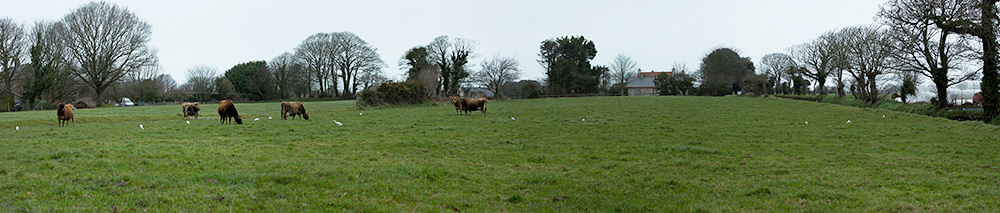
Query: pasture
pixel 717 154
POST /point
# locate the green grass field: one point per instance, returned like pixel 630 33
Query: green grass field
pixel 717 154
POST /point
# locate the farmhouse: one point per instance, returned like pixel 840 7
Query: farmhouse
pixel 479 92
pixel 642 84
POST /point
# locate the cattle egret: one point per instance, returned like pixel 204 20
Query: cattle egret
pixel 269 117
pixel 848 121
pixel 140 127
pixel 338 123
pixel 256 119
pixel 512 118
pixel 583 119
pixel 883 116
pixel 189 122
pixel 807 122
pixel 17 128
pixel 361 113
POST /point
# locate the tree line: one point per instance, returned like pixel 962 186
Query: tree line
pixel 74 58
pixel 948 42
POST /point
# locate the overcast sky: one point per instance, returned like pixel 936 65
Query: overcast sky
pixel 656 34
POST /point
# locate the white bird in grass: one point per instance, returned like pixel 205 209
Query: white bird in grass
pixel 883 116
pixel 17 128
pixel 583 119
pixel 512 118
pixel 189 122
pixel 338 123
pixel 140 127
pixel 848 121
pixel 269 117
pixel 807 122
pixel 361 113
pixel 256 119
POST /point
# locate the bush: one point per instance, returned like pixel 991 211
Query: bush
pixel 394 93
pixel 892 105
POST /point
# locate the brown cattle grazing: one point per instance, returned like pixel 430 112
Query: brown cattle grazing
pixel 65 114
pixel 228 110
pixel 473 104
pixel 190 109
pixel 292 109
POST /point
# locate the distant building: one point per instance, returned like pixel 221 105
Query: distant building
pixel 480 92
pixel 642 84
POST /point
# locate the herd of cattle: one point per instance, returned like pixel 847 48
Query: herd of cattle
pixel 228 113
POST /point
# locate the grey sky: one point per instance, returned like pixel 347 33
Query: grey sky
pixel 654 33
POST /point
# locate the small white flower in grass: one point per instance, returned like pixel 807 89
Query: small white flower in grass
pixel 338 123
pixel 848 121
pixel 189 122
pixel 140 127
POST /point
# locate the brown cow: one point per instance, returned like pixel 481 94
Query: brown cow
pixel 190 109
pixel 473 104
pixel 458 105
pixel 292 109
pixel 65 114
pixel 228 110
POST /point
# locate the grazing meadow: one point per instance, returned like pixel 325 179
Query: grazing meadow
pixel 631 154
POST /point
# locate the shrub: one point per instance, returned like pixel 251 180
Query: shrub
pixel 395 93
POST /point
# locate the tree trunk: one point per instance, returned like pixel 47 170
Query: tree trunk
pixel 941 84
pixel 991 82
pixel 872 89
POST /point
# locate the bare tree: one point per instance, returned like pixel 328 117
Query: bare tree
pixel 496 72
pixel 353 56
pixel 777 65
pixel 867 47
pixel 461 52
pixel 451 56
pixel 437 52
pixel 976 18
pixel 316 52
pixel 818 56
pixel 201 81
pixel 371 76
pixel 12 52
pixel 920 47
pixel 288 74
pixel 105 43
pixel 48 79
pixel 679 67
pixel 838 41
pixel 623 68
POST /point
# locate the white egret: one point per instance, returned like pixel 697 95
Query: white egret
pixel 338 123
pixel 140 127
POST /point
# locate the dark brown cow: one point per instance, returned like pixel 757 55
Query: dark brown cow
pixel 190 109
pixel 228 110
pixel 292 109
pixel 473 104
pixel 65 114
